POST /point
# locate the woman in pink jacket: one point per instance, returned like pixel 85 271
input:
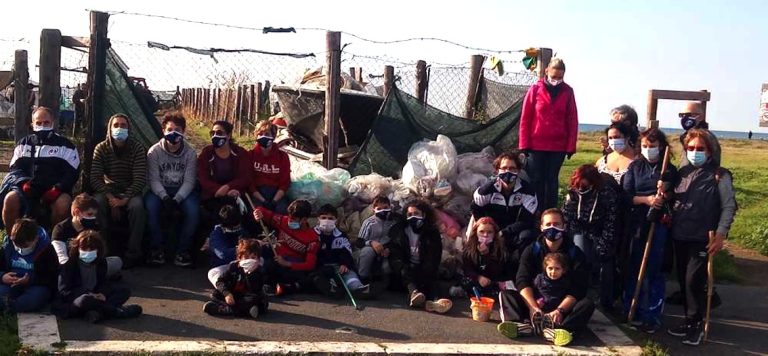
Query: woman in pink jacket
pixel 548 131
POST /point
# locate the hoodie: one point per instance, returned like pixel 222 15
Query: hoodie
pixel 41 265
pixel 176 170
pixel 119 170
pixel 272 170
pixel 594 215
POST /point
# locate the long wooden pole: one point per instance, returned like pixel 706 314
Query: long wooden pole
pixel 50 71
pixel 476 68
pixel 421 81
pixel 647 251
pixel 97 78
pixel 389 79
pixel 710 285
pixel 332 99
pixel 20 95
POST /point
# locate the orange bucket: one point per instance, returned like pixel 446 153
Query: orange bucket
pixel 481 309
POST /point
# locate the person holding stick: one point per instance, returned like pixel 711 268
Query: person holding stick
pixel 648 181
pixel 704 205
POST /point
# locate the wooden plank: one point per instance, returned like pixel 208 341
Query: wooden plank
pixel 475 69
pixel 75 42
pixel 542 61
pixel 389 79
pixel 359 74
pixel 653 105
pixel 251 106
pixel 265 104
pixel 20 94
pixel 94 108
pixel 50 71
pixel 332 98
pixel 259 107
pixel 680 95
pixel 704 105
pixel 421 81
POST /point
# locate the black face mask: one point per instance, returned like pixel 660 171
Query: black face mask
pixel 89 223
pixel 508 177
pixel 687 122
pixel 265 142
pixel 553 233
pixel 416 223
pixel 382 214
pixel 218 141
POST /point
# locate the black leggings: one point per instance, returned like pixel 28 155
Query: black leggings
pixel 512 307
pixel 244 301
pixel 691 265
pixel 115 298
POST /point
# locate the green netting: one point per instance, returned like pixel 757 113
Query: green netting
pixel 403 121
pixel 120 97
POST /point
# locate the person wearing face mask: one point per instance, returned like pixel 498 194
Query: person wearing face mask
pixel 172 176
pixel 624 115
pixel 224 239
pixel 373 242
pixel 43 171
pixel 415 257
pixel 510 201
pixel 289 261
pixel 271 175
pixel 223 169
pixel 520 312
pixel 591 213
pixel 28 267
pixel 335 252
pixel 240 289
pixel 118 177
pixel 84 289
pixel 702 213
pixel 486 261
pixel 692 116
pixel 548 131
pixel 622 153
pixel 649 205
pixel 84 217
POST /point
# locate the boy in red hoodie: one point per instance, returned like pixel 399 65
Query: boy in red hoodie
pixel 294 253
pixel 271 170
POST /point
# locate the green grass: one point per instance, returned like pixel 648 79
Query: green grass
pixel 652 348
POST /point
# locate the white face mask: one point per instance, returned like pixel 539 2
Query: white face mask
pixel 326 226
pixel 554 82
pixel 650 153
pixel 39 128
pixel 249 265
pixel 617 144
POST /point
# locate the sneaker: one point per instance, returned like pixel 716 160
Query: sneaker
pixel 508 329
pixel 547 322
pixel 536 323
pixel 440 306
pixel 679 331
pixel 363 292
pixel 254 312
pixel 93 316
pixel 183 260
pixel 129 311
pixel 694 335
pixel 558 337
pixel 215 308
pixel 417 299
pixel 647 328
pixel 156 258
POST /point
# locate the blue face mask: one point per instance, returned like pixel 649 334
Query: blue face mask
pixel 294 225
pixel 553 233
pixel 88 256
pixel 218 141
pixel 617 144
pixel 697 158
pixel 173 137
pixel 120 134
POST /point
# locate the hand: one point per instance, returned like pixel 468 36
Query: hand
pixel 233 193
pixel 10 278
pixel 112 200
pixel 557 318
pixel 230 299
pixel 657 201
pixel 343 269
pixel 715 244
pixel 51 195
pixel 99 296
pixel 116 213
pixel 121 202
pixel 281 261
pixel 377 246
pixel 258 215
pixel 484 282
pixel 222 191
pixel 385 253
pixel 21 281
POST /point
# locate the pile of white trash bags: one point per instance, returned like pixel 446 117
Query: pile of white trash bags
pixel 434 172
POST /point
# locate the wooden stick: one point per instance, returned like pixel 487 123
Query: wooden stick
pixel 647 251
pixel 264 230
pixel 710 285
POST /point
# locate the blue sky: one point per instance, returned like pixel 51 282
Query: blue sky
pixel 615 51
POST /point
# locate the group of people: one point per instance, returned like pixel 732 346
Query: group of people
pixel 539 261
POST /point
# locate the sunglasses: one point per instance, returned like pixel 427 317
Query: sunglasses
pixel 689 114
pixel 217 133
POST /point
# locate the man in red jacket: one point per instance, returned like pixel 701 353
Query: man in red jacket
pixel 294 254
pixel 271 170
pixel 548 131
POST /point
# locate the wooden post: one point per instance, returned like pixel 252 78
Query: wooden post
pixel 207 104
pixel 389 79
pixel 259 107
pixel 359 74
pixel 238 109
pixel 265 104
pixel 50 71
pixel 545 55
pixel 94 109
pixel 352 72
pixel 653 104
pixel 476 69
pixel 20 95
pixel 704 106
pixel 251 105
pixel 421 81
pixel 332 98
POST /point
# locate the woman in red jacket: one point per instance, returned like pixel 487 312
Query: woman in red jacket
pixel 548 131
pixel 271 170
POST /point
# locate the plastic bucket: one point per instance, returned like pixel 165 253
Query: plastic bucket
pixel 481 309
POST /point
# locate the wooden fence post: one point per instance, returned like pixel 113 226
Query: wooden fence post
pixel 259 107
pixel 21 95
pixel 359 74
pixel 239 109
pixel 265 104
pixel 653 104
pixel 332 98
pixel 542 61
pixel 50 71
pixel 389 79
pixel 94 109
pixel 421 81
pixel 252 116
pixel 476 69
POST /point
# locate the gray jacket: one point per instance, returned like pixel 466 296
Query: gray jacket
pixel 172 170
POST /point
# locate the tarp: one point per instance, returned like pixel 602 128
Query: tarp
pixel 403 121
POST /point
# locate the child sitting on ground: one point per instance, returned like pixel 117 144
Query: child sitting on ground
pixel 288 261
pixel 224 239
pixel 335 254
pixel 83 286
pixel 239 290
pixel 550 288
pixel 374 241
pixel 29 269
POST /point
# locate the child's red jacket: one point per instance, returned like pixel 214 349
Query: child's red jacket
pixel 298 246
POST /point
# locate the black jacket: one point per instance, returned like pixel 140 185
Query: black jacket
pixel 520 206
pixel 335 249
pixel 697 205
pixel 531 265
pixel 55 162
pixel 71 284
pixel 594 215
pixel 239 283
pixel 430 250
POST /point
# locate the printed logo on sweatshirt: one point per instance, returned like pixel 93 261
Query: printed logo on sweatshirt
pixel 266 168
pixel 172 173
pixel 20 263
pixel 292 243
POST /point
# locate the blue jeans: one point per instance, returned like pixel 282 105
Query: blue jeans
pixel 543 168
pixel 24 300
pixel 651 297
pixel 280 207
pixel 603 270
pixel 191 209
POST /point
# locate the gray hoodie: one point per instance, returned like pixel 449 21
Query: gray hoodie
pixel 172 170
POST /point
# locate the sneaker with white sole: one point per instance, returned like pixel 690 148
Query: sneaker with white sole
pixel 254 312
pixel 417 299
pixel 694 335
pixel 537 323
pixel 440 306
pixel 679 331
pixel 508 329
pixel 558 337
